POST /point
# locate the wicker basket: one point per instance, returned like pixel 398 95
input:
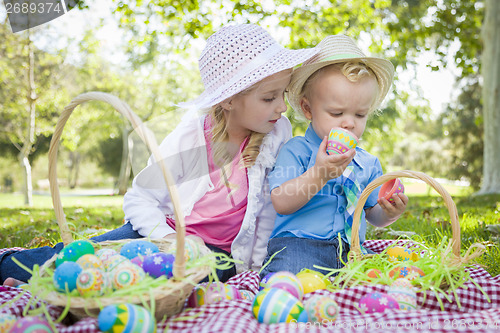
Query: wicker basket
pixel 169 298
pixel 355 253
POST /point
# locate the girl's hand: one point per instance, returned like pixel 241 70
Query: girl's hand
pixel 394 210
pixel 332 166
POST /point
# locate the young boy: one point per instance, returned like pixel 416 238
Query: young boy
pixel 339 87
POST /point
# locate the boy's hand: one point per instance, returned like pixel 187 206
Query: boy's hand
pixel 332 166
pixel 394 210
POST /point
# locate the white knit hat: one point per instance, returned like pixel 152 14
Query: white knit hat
pixel 238 56
pixel 338 49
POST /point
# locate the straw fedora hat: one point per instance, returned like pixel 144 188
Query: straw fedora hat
pixel 238 56
pixel 337 49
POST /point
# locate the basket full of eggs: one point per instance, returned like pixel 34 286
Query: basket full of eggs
pixel 86 276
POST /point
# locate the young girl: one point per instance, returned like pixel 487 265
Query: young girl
pixel 219 161
pixel 338 87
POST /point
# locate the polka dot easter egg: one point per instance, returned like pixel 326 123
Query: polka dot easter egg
pixel 377 302
pixel 92 282
pixel 7 321
pixel 31 324
pixel 90 261
pixel 273 305
pixel 74 250
pixel 321 308
pixel 138 248
pixel 126 318
pixel 159 264
pixel 403 291
pixel 65 276
pixel 288 282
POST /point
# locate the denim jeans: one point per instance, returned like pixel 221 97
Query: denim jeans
pixel 29 258
pixel 299 253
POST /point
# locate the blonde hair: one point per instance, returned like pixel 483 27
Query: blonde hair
pixel 353 71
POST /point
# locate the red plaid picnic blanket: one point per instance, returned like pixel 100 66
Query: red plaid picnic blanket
pixel 477 314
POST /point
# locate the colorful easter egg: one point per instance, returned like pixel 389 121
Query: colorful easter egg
pixel 192 249
pixel 391 187
pixel 265 279
pixel 92 281
pixel 74 250
pixel 214 292
pixel 126 318
pixel 105 253
pixel 274 305
pixel 340 141
pixel 138 247
pixel 288 282
pixel 377 302
pixel 7 321
pixel 402 290
pixel 90 261
pixel 159 264
pixel 373 273
pixel 127 275
pixel 65 276
pixel 137 261
pixel 247 294
pixel 406 271
pixel 321 308
pixel 31 324
pixel 114 261
pixel 312 280
pixel 399 253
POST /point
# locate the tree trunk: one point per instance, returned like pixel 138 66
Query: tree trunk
pixel 28 184
pixel 126 165
pixel 490 69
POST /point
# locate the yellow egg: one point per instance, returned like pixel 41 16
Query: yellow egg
pixel 312 280
pixel 399 254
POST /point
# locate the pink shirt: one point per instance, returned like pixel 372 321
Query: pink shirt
pixel 217 216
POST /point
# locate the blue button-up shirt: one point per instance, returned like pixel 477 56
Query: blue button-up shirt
pixel 323 216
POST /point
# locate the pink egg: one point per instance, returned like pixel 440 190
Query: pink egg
pixel 32 325
pixel 288 282
pixel 377 302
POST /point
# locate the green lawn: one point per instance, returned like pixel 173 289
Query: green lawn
pixel 426 216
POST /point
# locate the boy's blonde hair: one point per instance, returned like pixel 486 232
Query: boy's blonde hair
pixel 353 71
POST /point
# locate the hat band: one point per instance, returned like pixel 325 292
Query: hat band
pixel 343 56
pixel 255 63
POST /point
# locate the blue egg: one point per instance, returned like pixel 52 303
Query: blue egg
pixel 126 318
pixel 138 247
pixel 66 274
pixel 159 264
pixel 73 251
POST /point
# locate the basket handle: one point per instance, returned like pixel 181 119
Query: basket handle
pixel 147 137
pixel 452 208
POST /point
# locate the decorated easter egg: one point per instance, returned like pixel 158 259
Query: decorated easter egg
pixel 74 250
pixel 377 302
pixel 7 321
pixel 105 253
pixel 127 275
pixel 265 279
pixel 214 292
pixel 137 261
pixel 192 249
pixel 126 318
pixel 90 261
pixel 402 290
pixel 321 308
pixel 159 264
pixel 92 281
pixel 373 273
pixel 247 294
pixel 312 280
pixel 138 247
pixel 31 324
pixel 399 253
pixel 65 276
pixel 409 272
pixel 274 305
pixel 114 261
pixel 288 282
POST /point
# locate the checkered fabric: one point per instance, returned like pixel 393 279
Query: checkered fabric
pixel 477 314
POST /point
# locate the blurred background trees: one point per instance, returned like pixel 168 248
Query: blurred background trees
pixel 153 66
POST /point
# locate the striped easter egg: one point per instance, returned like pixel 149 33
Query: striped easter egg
pixel 274 305
pixel 126 318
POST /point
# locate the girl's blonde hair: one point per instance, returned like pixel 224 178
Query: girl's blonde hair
pixel 353 71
